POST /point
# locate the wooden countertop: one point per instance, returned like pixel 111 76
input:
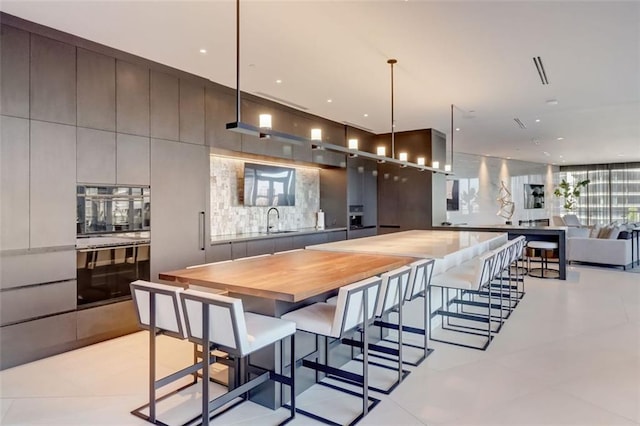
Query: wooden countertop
pixel 290 277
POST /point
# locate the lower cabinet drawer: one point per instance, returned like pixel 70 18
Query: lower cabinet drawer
pixel 19 304
pixel 113 319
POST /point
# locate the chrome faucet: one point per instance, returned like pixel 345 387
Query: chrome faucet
pixel 268 214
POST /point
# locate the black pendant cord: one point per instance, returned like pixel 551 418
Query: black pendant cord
pixel 238 120
pixel 393 121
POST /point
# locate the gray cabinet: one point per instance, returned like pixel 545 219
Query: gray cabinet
pixel 14 72
pixel 96 90
pixel 96 156
pixel 258 247
pixel 37 301
pixel 132 99
pixel 238 249
pixel 179 185
pixel 191 112
pixel 220 110
pixel 132 160
pixel 52 185
pixel 165 106
pixel 219 252
pixel 53 80
pixel 14 185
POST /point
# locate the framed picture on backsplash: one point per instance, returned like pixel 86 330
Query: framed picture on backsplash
pixel 533 196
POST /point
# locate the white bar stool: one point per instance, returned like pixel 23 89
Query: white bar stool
pixel 159 310
pixel 219 322
pixel 545 247
pixel 354 311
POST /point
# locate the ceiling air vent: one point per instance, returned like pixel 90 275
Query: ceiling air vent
pixel 281 101
pixel 519 123
pixel 541 72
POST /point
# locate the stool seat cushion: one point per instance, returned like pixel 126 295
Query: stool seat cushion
pixel 316 318
pixel 546 245
pixel 263 330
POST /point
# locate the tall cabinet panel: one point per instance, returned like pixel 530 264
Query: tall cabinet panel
pixel 14 183
pixel 132 160
pixel 53 185
pixel 96 90
pixel 165 101
pixel 191 112
pixel 53 80
pixel 132 99
pixel 96 156
pixel 14 72
pixel 179 183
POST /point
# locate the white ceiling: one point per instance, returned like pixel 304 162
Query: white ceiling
pixel 476 55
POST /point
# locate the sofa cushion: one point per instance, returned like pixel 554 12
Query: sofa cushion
pixel 613 234
pixel 595 230
pixel 571 220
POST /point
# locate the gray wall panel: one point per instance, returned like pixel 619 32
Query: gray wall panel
pixel 96 156
pixel 53 81
pixel 191 112
pixel 14 183
pixel 132 99
pixel 14 72
pixel 53 185
pixel 165 106
pixel 96 90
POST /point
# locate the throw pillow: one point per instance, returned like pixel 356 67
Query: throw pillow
pixel 595 230
pixel 613 234
pixel 604 232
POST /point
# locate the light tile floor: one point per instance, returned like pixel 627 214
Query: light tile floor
pixel 569 354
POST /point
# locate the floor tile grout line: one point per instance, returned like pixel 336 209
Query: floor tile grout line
pixel 576 397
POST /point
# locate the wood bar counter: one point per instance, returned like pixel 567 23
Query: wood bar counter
pixel 289 277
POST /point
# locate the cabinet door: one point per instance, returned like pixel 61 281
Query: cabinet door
pixel 179 184
pixel 191 112
pixel 52 185
pixel 14 186
pixel 165 110
pixel 14 72
pixel 220 110
pixel 96 90
pixel 132 160
pixel 53 80
pixel 96 156
pixel 132 99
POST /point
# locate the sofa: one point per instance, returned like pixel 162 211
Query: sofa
pixel 609 245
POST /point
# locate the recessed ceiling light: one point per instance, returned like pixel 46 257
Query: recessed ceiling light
pixel 552 102
pixel 457 129
pixel 329 100
pixel 564 161
pixel 366 115
pixel 508 158
pixel 203 51
pixel 546 153
pixel 537 120
pixel 620 155
pixel 560 138
pixel 561 156
pixel 278 81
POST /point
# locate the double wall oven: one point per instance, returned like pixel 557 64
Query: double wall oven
pixel 113 245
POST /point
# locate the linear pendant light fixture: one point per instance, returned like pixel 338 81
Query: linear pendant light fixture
pixel 266 131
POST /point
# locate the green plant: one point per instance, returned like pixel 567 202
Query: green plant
pixel 570 193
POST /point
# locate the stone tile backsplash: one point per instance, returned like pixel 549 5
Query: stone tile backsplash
pixel 230 216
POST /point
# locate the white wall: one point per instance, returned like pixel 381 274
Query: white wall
pixel 230 216
pixel 481 176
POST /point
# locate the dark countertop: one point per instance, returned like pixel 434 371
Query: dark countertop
pixel 248 236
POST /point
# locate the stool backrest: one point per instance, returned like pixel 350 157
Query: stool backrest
pixel 168 310
pixel 389 289
pixel 420 277
pixel 484 269
pixel 350 310
pixel 227 327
